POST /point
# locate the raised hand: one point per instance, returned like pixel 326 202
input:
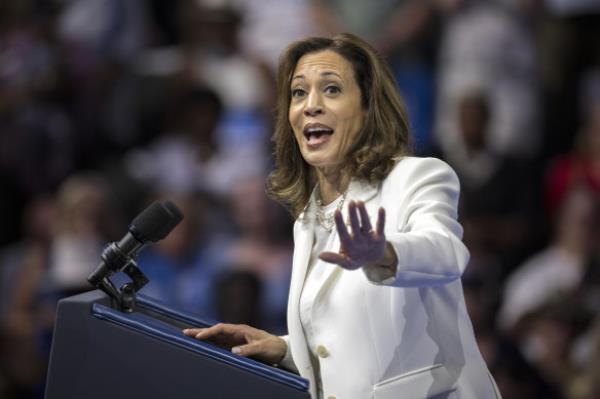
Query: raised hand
pixel 363 246
pixel 243 340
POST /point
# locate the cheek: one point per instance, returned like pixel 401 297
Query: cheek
pixel 354 123
pixel 352 115
pixel 294 113
pixel 293 120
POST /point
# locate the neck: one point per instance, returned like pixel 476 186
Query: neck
pixel 332 184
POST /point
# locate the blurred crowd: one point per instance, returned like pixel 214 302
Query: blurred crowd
pixel 107 105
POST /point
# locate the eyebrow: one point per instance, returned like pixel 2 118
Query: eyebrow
pixel 326 73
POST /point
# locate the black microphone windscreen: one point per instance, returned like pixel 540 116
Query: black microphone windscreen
pixel 171 207
pixel 155 222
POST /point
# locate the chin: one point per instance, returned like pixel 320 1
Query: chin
pixel 320 158
pixel 319 162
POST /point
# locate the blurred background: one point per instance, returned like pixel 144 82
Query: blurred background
pixel 106 105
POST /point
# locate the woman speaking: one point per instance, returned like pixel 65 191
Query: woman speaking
pixel 376 307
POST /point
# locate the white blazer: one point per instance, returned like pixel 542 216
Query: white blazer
pixel 405 337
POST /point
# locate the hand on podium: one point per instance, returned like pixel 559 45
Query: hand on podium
pixel 243 340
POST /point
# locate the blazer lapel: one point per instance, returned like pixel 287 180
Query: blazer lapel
pixel 303 242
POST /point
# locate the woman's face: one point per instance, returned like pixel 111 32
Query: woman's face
pixel 325 111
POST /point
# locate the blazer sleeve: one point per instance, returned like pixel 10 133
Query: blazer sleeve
pixel 288 362
pixel 426 235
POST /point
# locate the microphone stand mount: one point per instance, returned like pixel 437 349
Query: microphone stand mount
pixel 126 295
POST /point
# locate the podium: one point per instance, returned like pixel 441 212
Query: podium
pixel 100 352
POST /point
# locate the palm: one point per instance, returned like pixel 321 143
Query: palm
pixel 363 245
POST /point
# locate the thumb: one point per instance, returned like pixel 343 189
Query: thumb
pixel 250 349
pixel 341 260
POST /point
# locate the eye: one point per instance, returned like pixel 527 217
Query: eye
pixel 332 89
pixel 297 93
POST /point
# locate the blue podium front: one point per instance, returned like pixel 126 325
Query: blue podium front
pixel 101 352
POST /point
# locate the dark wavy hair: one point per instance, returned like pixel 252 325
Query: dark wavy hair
pixel 383 139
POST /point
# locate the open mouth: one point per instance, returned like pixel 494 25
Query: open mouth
pixel 317 133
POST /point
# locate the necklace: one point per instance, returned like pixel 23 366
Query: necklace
pixel 326 220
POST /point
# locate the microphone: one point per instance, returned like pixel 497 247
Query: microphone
pixel 153 224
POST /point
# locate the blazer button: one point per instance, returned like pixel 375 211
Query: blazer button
pixel 322 351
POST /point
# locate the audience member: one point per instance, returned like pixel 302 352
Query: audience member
pixel 83 226
pixel 262 246
pixel 238 298
pixel 567 46
pixel 22 267
pixel 497 205
pixel 184 157
pixel 560 267
pixel 490 45
pixel 580 166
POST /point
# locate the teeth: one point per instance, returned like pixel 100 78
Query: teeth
pixel 318 130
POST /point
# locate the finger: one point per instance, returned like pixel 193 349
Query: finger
pixel 341 228
pixel 364 216
pixel 380 222
pixel 192 332
pixel 218 329
pixel 354 222
pixel 338 259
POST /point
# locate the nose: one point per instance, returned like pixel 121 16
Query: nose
pixel 313 105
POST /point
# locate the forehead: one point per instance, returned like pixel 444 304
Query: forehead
pixel 323 62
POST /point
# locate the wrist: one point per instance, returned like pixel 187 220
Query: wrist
pixel 281 350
